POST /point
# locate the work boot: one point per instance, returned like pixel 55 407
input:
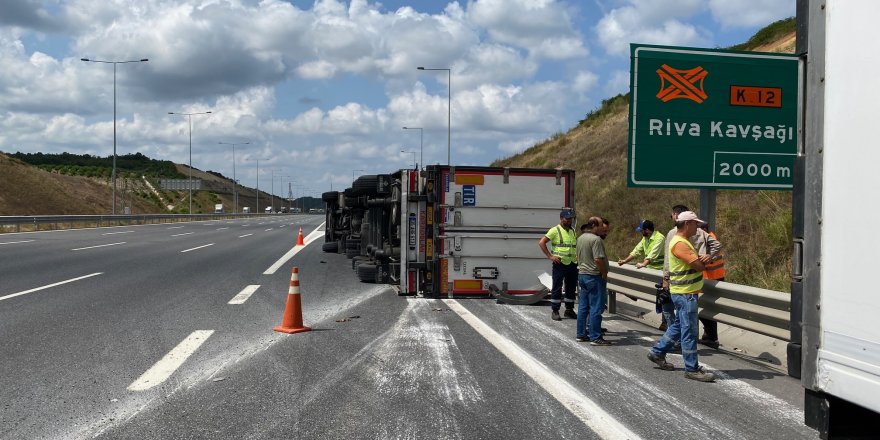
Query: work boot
pixel 600 342
pixel 555 316
pixel 700 375
pixel 660 361
pixel 569 313
pixel 710 343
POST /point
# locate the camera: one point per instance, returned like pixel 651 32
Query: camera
pixel 663 295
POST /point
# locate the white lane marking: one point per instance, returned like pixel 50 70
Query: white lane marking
pixel 13 295
pixel 98 246
pixel 185 233
pixel 175 227
pixel 267 230
pixel 245 235
pixel 602 423
pixel 14 242
pixel 220 229
pixel 162 370
pixel 316 234
pixel 244 294
pixel 198 247
pixel 114 233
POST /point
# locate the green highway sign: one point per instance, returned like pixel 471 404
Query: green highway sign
pixel 702 118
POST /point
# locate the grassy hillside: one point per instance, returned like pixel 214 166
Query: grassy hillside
pixel 754 226
pixel 56 184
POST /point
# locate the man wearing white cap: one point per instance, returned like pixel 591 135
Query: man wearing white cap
pixel 685 285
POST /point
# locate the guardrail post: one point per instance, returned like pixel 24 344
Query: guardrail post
pixel 612 301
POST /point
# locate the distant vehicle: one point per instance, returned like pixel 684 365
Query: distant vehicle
pixel 218 208
pixel 284 209
pixel 295 210
pixel 246 210
pixel 268 210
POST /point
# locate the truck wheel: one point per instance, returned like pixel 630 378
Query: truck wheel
pixel 367 272
pixel 351 253
pixel 366 185
pixel 332 247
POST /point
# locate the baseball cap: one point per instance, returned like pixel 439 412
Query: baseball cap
pixel 689 215
pixel 565 213
pixel 645 224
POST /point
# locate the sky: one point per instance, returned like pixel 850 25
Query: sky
pixel 321 90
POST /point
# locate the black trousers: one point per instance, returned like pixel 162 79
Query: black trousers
pixel 563 274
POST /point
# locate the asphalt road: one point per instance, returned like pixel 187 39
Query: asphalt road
pixel 79 359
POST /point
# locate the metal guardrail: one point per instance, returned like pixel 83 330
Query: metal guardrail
pixel 762 311
pixel 109 220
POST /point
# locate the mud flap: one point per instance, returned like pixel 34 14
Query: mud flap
pixel 501 296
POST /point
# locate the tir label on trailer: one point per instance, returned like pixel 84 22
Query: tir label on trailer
pixel 469 195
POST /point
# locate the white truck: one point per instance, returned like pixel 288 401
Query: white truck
pixel 218 208
pixel 451 231
pixel 835 335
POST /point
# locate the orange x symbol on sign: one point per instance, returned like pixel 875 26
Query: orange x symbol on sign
pixel 682 84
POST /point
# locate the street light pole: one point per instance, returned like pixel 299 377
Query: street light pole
pixel 421 144
pixel 258 181
pixel 234 182
pixel 189 116
pixel 448 115
pixel 415 166
pixel 114 63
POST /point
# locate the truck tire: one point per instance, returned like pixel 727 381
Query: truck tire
pixel 356 261
pixel 351 253
pixel 367 272
pixel 331 247
pixel 330 196
pixel 366 185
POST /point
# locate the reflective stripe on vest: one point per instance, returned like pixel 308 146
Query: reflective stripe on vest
pixel 566 246
pixel 683 279
pixel 714 270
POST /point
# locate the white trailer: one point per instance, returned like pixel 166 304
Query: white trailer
pixel 474 231
pixel 835 335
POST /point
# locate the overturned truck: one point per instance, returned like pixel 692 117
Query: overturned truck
pixel 449 231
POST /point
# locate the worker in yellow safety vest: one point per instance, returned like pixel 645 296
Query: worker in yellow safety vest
pixel 563 240
pixel 685 285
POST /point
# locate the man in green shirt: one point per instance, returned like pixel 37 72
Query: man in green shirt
pixel 649 249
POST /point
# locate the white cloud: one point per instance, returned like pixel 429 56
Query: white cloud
pixel 747 13
pixel 618 83
pixel 651 22
pixel 584 82
pixel 542 27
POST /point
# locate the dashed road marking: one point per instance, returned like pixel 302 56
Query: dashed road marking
pixel 245 235
pixel 174 227
pixel 98 246
pixel 185 233
pixel 13 295
pixel 114 233
pixel 16 242
pixel 162 370
pixel 220 229
pixel 588 411
pixel 267 230
pixel 244 294
pixel 198 247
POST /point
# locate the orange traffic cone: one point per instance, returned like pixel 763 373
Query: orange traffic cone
pixel 299 238
pixel 292 321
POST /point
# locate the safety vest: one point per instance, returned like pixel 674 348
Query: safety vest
pixel 566 248
pixel 715 269
pixel 682 278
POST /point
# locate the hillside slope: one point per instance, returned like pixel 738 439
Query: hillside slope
pixel 754 226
